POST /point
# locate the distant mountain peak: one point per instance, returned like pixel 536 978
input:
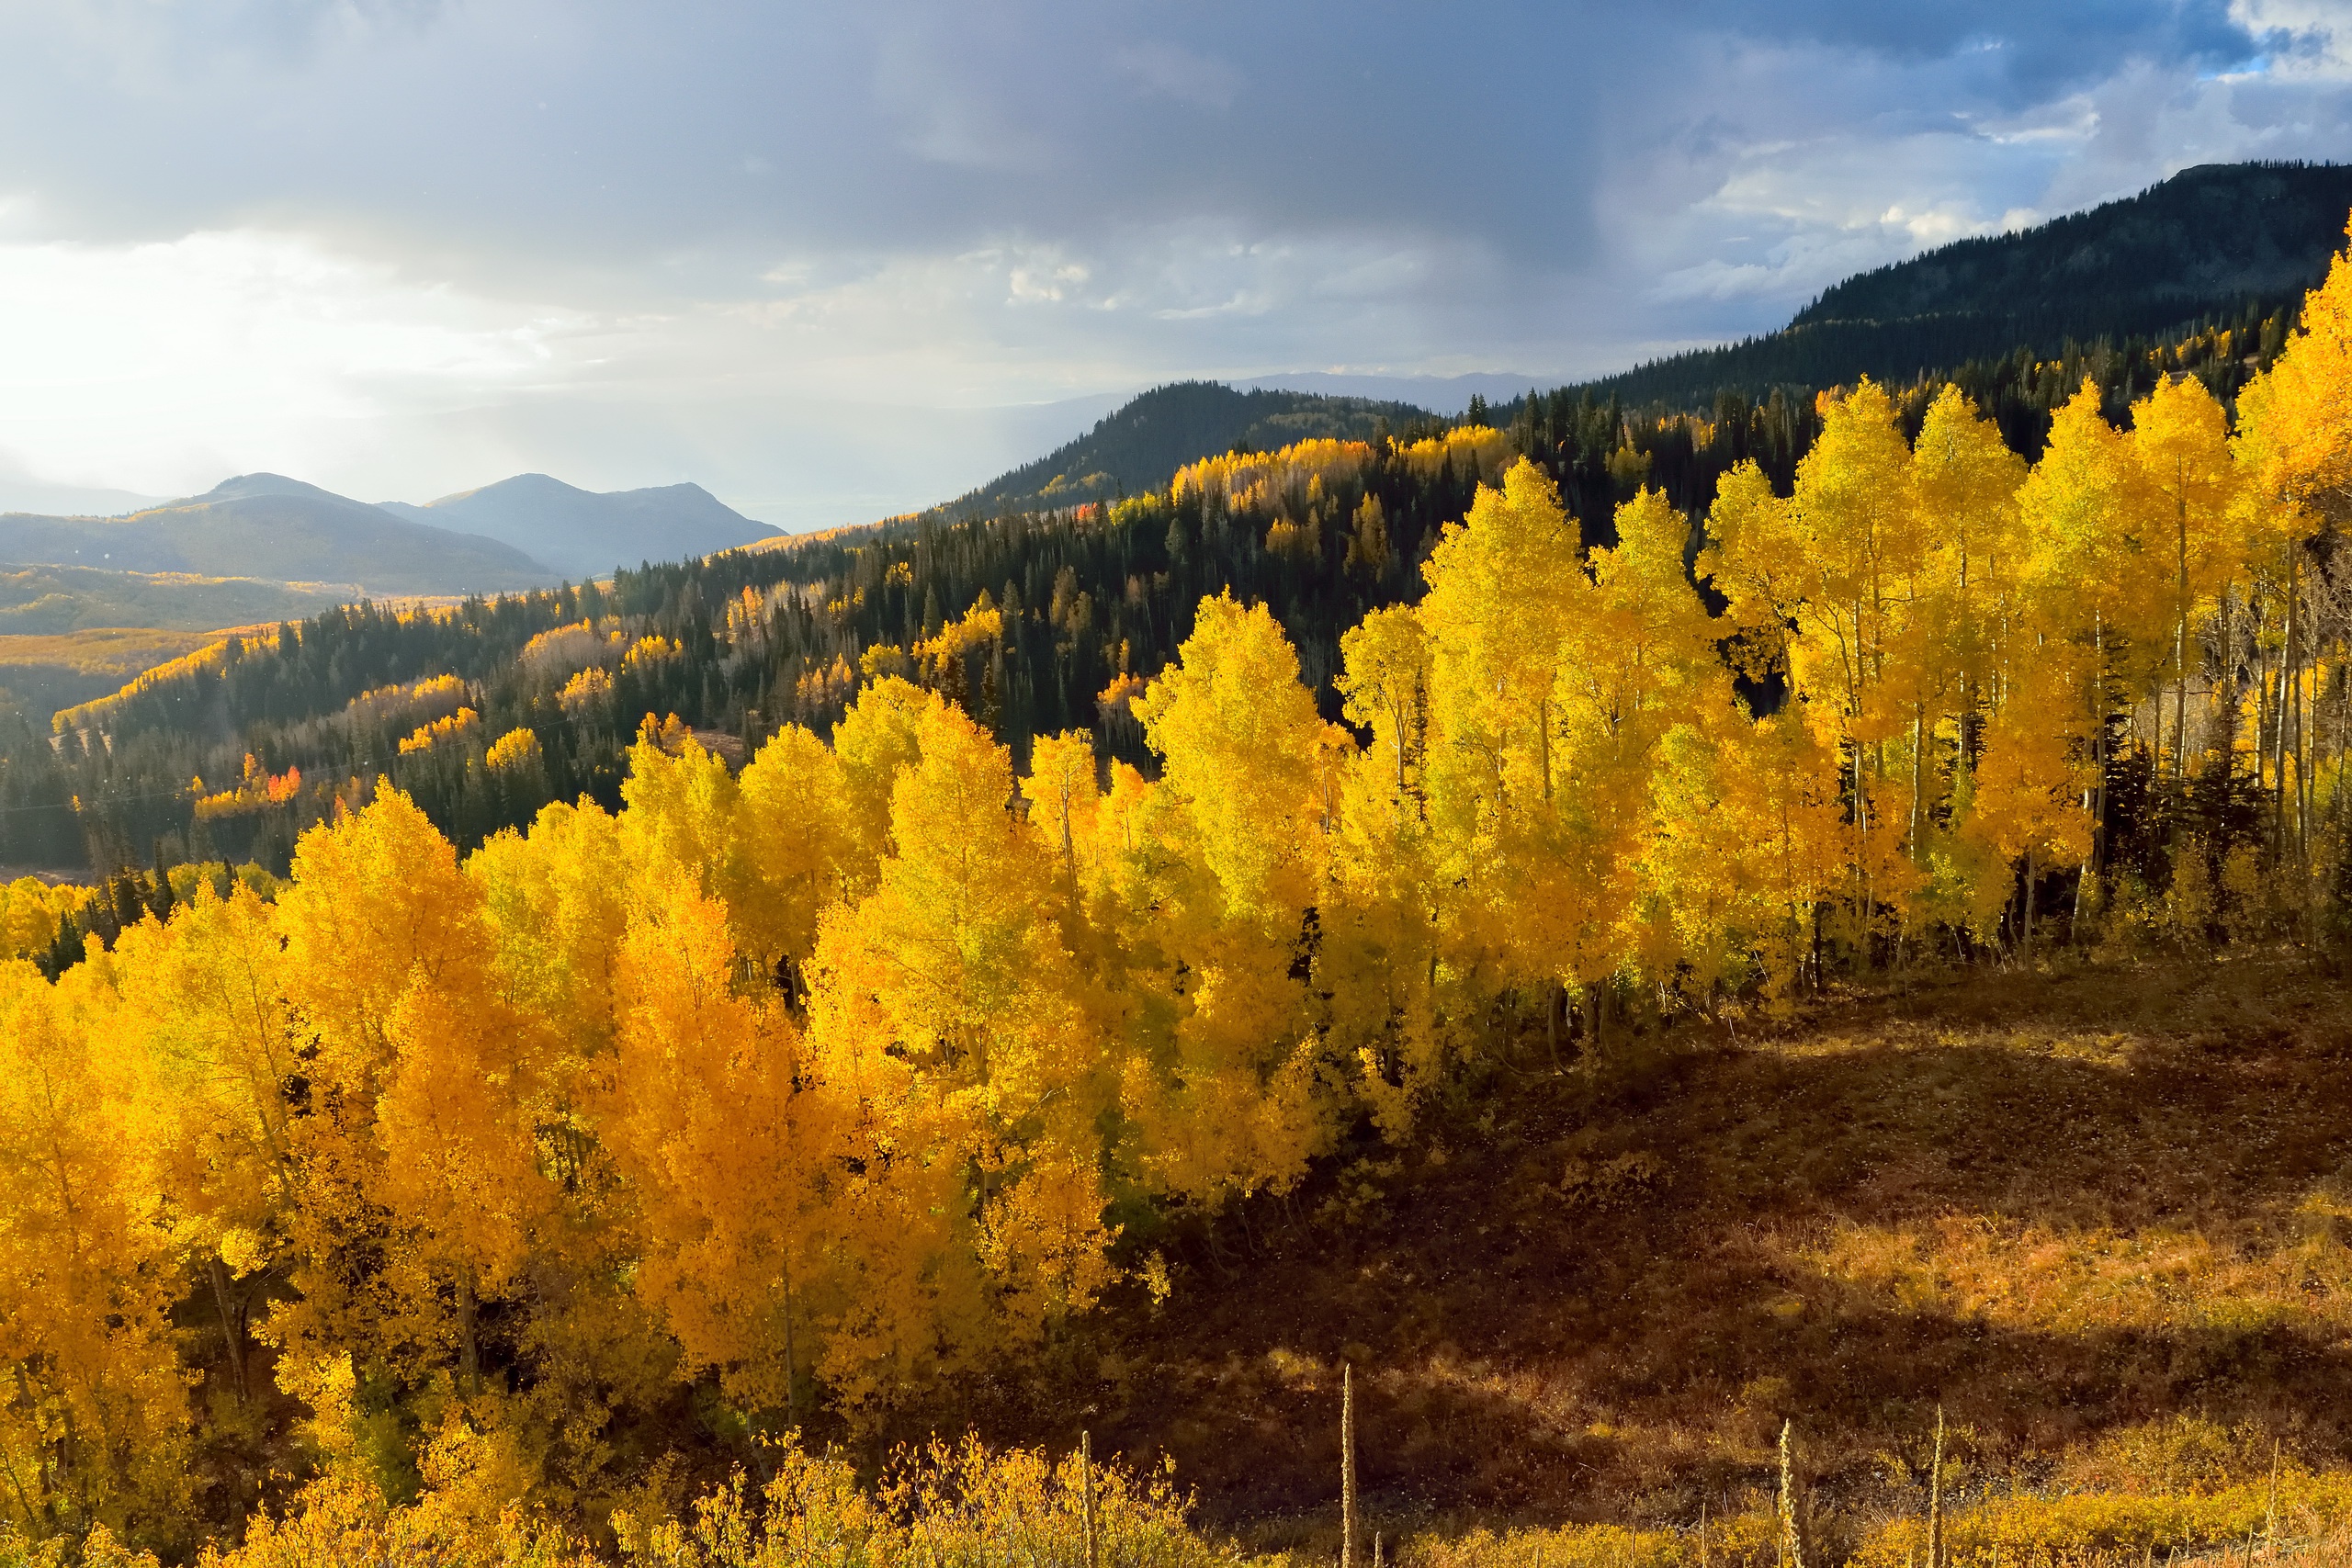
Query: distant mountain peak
pixel 545 485
pixel 1138 445
pixel 245 487
pixel 585 532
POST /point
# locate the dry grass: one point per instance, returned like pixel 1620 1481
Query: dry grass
pixel 120 652
pixel 2073 1208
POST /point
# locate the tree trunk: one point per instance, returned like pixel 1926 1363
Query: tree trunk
pixel 791 1393
pixel 2099 751
pixel 1863 821
pixel 2285 676
pixel 233 1322
pixel 2029 907
pixel 469 1347
pixel 1918 770
pixel 2180 671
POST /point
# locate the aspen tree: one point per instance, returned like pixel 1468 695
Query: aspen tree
pixel 1964 483
pixel 1381 927
pixel 201 999
pixel 2294 447
pixel 2085 506
pixel 422 1093
pixel 948 1011
pixel 726 1145
pixel 1505 586
pixel 2029 786
pixel 1063 792
pixel 556 903
pixel 680 806
pixel 1642 693
pixel 1842 563
pixel 2295 420
pixel 791 846
pixel 2180 437
pixel 1855 513
pixel 1781 805
pixel 877 740
pixel 94 1421
pixel 1245 828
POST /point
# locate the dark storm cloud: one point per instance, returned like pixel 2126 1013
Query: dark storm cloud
pixel 919 202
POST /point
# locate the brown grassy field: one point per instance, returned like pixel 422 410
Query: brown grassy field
pixel 115 651
pixel 2101 1215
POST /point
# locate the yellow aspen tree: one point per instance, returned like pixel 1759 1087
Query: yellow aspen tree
pixel 1063 790
pixel 1381 928
pixel 1781 805
pixel 1855 509
pixel 555 900
pixel 1840 561
pixel 1240 791
pixel 94 1417
pixel 1128 878
pixel 2294 446
pixel 680 806
pixel 2295 420
pixel 1756 559
pixel 2083 507
pixel 1684 927
pixel 791 844
pixel 458 1123
pixel 727 1147
pixel 203 999
pixel 1964 483
pixel 877 739
pixel 1638 667
pixel 1504 585
pixel 2180 438
pixel 416 1143
pixel 2030 786
pixel 948 1012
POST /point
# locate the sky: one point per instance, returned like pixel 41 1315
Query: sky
pixel 838 261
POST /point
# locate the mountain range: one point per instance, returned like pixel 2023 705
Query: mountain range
pixel 526 532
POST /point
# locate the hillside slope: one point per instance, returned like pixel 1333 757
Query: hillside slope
pixel 584 534
pixel 50 601
pixel 2208 244
pixel 1138 445
pixel 266 525
pixel 2079 1210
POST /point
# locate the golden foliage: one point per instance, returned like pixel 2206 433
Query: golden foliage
pixel 457 726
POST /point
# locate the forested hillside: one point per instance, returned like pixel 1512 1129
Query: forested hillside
pixel 2228 246
pixel 508 1191
pixel 1136 447
pixel 1089 590
pixel 1038 618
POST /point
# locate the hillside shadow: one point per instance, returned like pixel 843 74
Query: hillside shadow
pixel 2058 1207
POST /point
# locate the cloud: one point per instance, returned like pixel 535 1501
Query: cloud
pixel 1174 72
pixel 151 364
pixel 2302 40
pixel 369 239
